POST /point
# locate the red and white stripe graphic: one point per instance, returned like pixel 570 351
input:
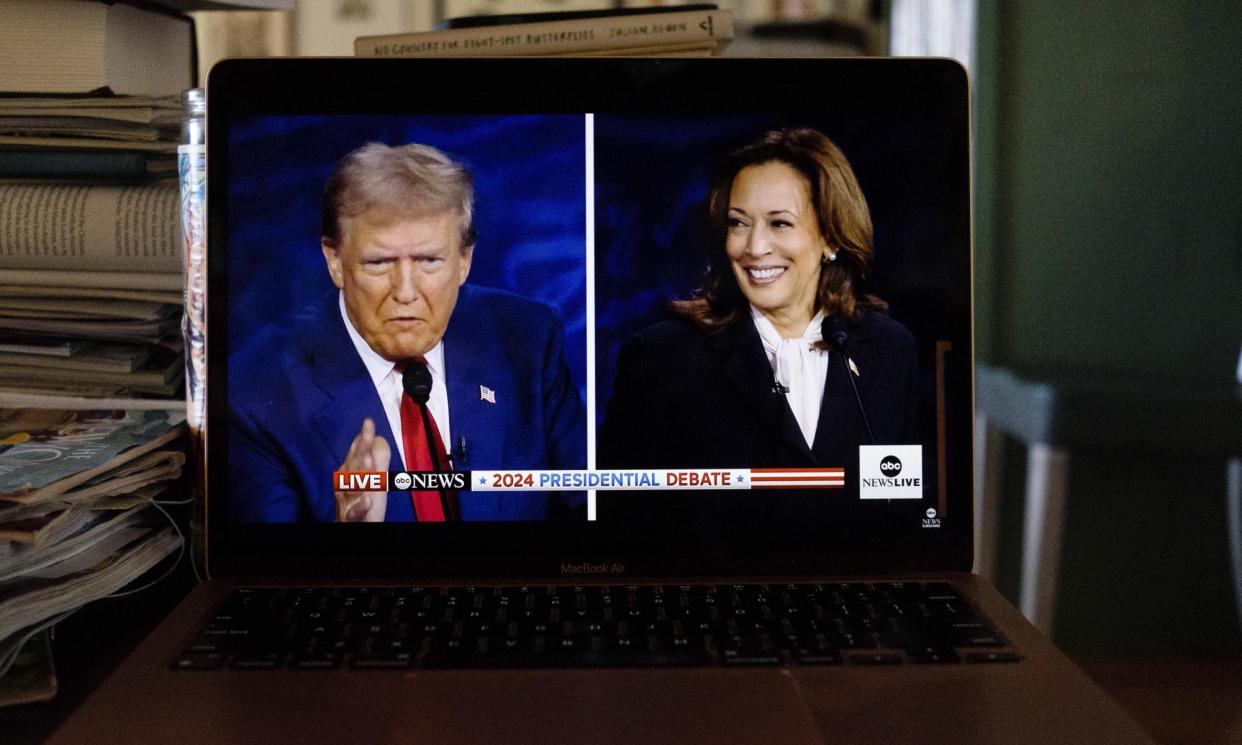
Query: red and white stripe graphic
pixel 799 478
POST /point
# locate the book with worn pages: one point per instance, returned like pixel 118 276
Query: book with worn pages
pixel 674 32
pixel 78 46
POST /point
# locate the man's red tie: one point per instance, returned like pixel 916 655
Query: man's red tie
pixel 418 457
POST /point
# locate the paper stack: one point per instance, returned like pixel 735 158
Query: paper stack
pixel 90 244
pixel 80 509
pixel 89 137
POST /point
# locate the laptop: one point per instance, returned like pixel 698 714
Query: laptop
pixel 591 401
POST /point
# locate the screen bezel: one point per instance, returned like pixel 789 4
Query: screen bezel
pixel 936 87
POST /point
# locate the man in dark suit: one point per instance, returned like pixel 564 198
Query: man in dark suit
pixel 328 389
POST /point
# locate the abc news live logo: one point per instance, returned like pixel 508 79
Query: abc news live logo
pixel 890 471
pixel 399 480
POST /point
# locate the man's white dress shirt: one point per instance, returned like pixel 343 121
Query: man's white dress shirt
pixel 387 383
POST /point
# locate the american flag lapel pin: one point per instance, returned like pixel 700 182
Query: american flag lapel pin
pixel 487 394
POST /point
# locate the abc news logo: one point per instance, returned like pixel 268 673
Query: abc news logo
pixel 399 480
pixel 890 472
pixel 890 466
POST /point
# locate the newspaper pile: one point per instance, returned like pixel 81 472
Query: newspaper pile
pixel 81 509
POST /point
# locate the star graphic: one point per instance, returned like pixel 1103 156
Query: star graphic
pixel 482 481
pixel 740 478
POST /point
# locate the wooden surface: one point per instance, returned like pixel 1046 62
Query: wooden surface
pixel 1179 701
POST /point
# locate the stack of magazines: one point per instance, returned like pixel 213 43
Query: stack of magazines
pixel 83 498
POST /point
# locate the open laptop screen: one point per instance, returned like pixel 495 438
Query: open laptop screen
pixel 598 308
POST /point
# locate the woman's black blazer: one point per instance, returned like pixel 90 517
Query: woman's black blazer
pixel 686 398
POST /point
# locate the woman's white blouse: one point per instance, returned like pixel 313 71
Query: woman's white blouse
pixel 799 367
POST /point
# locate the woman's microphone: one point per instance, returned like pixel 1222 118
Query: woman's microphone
pixel 836 335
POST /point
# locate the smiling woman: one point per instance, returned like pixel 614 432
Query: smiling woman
pixel 774 244
pixel 799 187
pixel 748 373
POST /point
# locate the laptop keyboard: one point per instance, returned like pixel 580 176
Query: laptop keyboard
pixel 593 626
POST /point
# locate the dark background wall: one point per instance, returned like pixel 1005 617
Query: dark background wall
pixel 1109 243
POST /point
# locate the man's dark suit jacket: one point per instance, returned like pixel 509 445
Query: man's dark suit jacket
pixel 685 398
pixel 298 392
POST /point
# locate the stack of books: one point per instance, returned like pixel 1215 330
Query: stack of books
pixel 81 515
pixel 90 245
pixel 89 137
pixel 90 89
pixel 699 30
pixel 90 291
pixel 92 418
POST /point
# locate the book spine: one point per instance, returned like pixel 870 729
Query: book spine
pixel 554 37
pixel 51 164
pixel 59 278
pixel 706 49
pixel 107 228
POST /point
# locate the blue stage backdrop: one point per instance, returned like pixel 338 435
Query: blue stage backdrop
pixel 530 208
pixel 651 181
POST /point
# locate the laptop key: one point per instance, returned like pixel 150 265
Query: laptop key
pixel 314 661
pixel 979 639
pixel 739 658
pixel 557 658
pixel 382 661
pixel 807 656
pixel 881 658
pixel 933 655
pixel 992 657
pixel 257 661
pixel 899 639
pixel 206 644
pixel 199 661
pixel 853 641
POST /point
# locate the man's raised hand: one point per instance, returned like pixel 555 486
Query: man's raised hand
pixel 368 452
